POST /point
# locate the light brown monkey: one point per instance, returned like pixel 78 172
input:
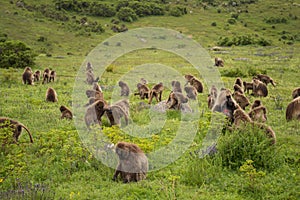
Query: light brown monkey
pixel 133 163
pixel 118 110
pixel 94 113
pixel 248 86
pixel 259 88
pixel 15 126
pixel 240 116
pixel 256 103
pixel 265 79
pixel 219 62
pixel 238 88
pixel 143 91
pixel 66 113
pixel 95 94
pixel 37 75
pixel 193 81
pixel 293 110
pixel 241 99
pixel 191 92
pixel 212 96
pixel 51 95
pixel 176 87
pixel 124 88
pixel 46 76
pixel 143 81
pixel 258 114
pixel 296 93
pixel 176 99
pixel 28 76
pixel 156 92
pixel 52 75
pixel 97 87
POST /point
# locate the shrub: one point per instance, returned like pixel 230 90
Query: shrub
pixel 15 54
pixel 276 20
pixel 243 40
pixel 231 21
pixel 237 72
pixel 102 10
pixel 214 24
pixel 127 14
pixel 178 11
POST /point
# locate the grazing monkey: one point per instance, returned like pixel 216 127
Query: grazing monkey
pixel 15 126
pixel 51 95
pixel 124 88
pixel 94 93
pixel 265 79
pixel 46 76
pixel 156 91
pixel 296 93
pixel 219 62
pixel 293 110
pixel 258 114
pixel 176 87
pixel 66 113
pixel 28 76
pixel 94 113
pixel 52 76
pixel 133 163
pixel 259 88
pixel 191 92
pixel 238 88
pixel 240 116
pixel 241 99
pixel 117 111
pixel 143 91
pixel 193 81
pixel 37 75
pixel 176 99
pixel 248 86
pixel 97 87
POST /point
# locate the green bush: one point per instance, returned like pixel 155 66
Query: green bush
pixel 15 54
pixel 178 11
pixel 231 21
pixel 236 72
pixel 243 40
pixel 102 10
pixel 276 20
pixel 127 14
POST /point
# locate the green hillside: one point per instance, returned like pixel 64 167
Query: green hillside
pixel 254 36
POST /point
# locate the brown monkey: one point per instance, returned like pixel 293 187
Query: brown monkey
pixel 296 93
pixel 238 88
pixel 91 101
pixel 176 99
pixel 293 110
pixel 133 163
pixel 46 75
pixel 143 91
pixel 248 86
pixel 193 81
pixel 27 76
pixel 219 62
pixel 94 93
pixel 66 113
pixel 256 103
pixel 212 96
pixel 51 95
pixel 258 113
pixel 37 75
pixel 89 67
pixel 143 81
pixel 239 82
pixel 240 116
pixel 176 87
pixel 188 78
pixel 117 111
pixel 15 126
pixel 97 87
pixel 156 91
pixel 241 99
pixel 259 88
pixel 94 112
pixel 90 78
pixel 191 92
pixel 52 75
pixel 265 79
pixel 124 88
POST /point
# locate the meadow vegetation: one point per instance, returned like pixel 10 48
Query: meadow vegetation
pixel 255 37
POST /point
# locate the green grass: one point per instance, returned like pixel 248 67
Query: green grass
pixel 64 168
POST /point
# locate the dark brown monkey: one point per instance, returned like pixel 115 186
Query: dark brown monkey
pixel 191 92
pixel 124 88
pixel 296 93
pixel 241 99
pixel 143 91
pixel 239 82
pixel 293 110
pixel 193 81
pixel 265 79
pixel 176 99
pixel 95 94
pixel 258 114
pixel 15 126
pixel 248 86
pixel 219 62
pixel 256 103
pixel 89 67
pixel 46 76
pixel 156 92
pixel 176 87
pixel 259 88
pixel 27 76
pixel 133 163
pixel 188 78
pixel 51 95
pixel 37 75
pixel 94 113
pixel 66 113
pixel 90 78
pixel 238 88
pixel 52 75
pixel 117 111
pixel 97 87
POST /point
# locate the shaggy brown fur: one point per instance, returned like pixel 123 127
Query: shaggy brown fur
pixel 219 62
pixel 28 76
pixel 241 99
pixel 238 88
pixel 176 99
pixel 265 79
pixel 156 92
pixel 94 113
pixel 133 163
pixel 143 91
pixel 293 110
pixel 37 75
pixel 248 86
pixel 52 76
pixel 15 126
pixel 193 81
pixel 46 76
pixel 66 113
pixel 258 114
pixel 296 93
pixel 51 95
pixel 117 111
pixel 239 82
pixel 176 86
pixel 124 88
pixel 95 94
pixel 191 92
pixel 259 88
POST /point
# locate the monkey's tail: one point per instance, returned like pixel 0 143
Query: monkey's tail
pixel 30 136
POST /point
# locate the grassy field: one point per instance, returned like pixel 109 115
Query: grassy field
pixel 59 165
